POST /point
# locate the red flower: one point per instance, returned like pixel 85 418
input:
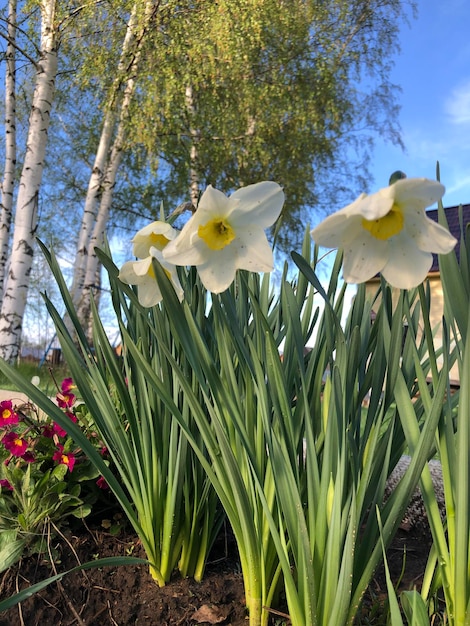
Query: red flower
pixel 102 484
pixel 15 444
pixel 5 484
pixel 62 458
pixel 7 414
pixel 71 416
pixel 67 385
pixel 58 429
pixel 48 431
pixel 65 400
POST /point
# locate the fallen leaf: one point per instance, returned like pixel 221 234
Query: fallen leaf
pixel 210 614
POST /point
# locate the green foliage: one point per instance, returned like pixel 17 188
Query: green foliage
pixel 298 463
pixel 162 489
pixel 47 374
pixel 297 449
pixel 447 567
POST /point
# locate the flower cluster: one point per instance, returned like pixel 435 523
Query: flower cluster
pixel 385 232
pixel 26 437
pixel 223 235
pixel 46 479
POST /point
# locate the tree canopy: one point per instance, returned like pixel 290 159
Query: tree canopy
pixel 231 92
pixel 198 92
pixel 245 90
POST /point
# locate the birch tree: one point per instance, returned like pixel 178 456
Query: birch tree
pixel 100 165
pixel 8 181
pixel 20 262
pixel 108 157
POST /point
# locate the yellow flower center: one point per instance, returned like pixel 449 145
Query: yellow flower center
pixel 386 226
pixel 6 413
pixel 217 233
pixel 158 241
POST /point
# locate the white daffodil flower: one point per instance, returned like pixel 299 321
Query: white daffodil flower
pixel 227 233
pixel 141 273
pixel 388 232
pixel 154 235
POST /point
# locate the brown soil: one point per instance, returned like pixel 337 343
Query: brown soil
pixel 127 595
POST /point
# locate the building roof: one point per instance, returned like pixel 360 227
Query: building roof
pixel 452 216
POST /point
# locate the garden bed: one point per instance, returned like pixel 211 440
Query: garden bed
pixel 127 595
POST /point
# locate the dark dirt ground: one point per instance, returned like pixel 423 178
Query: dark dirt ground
pixel 125 596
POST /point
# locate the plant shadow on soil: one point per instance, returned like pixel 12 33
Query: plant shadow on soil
pixel 127 595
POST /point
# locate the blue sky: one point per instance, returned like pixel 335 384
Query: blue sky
pixel 433 70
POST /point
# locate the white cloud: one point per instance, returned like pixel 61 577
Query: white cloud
pixel 458 104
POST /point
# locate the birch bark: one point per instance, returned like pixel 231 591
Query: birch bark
pixel 95 184
pixel 17 283
pixel 8 182
pixel 194 177
pixel 132 48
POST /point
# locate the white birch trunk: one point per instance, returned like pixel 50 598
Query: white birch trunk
pixel 95 184
pixel 8 182
pixel 194 178
pixel 97 237
pixel 82 297
pixel 14 300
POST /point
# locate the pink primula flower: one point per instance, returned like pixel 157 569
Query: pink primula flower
pixel 62 458
pixel 67 385
pixel 15 444
pixel 47 431
pixel 65 400
pixel 7 414
pixel 58 429
pixel 5 484
pixel 102 484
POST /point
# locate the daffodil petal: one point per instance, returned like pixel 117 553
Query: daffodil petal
pixel 170 269
pixel 421 192
pixel 364 259
pixel 407 266
pixel 217 277
pixel 260 203
pixel 375 206
pixel 336 230
pixel 142 267
pixel 149 293
pixel 212 202
pixel 430 236
pixel 127 273
pixel 144 238
pixel 252 251
pixel 188 248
